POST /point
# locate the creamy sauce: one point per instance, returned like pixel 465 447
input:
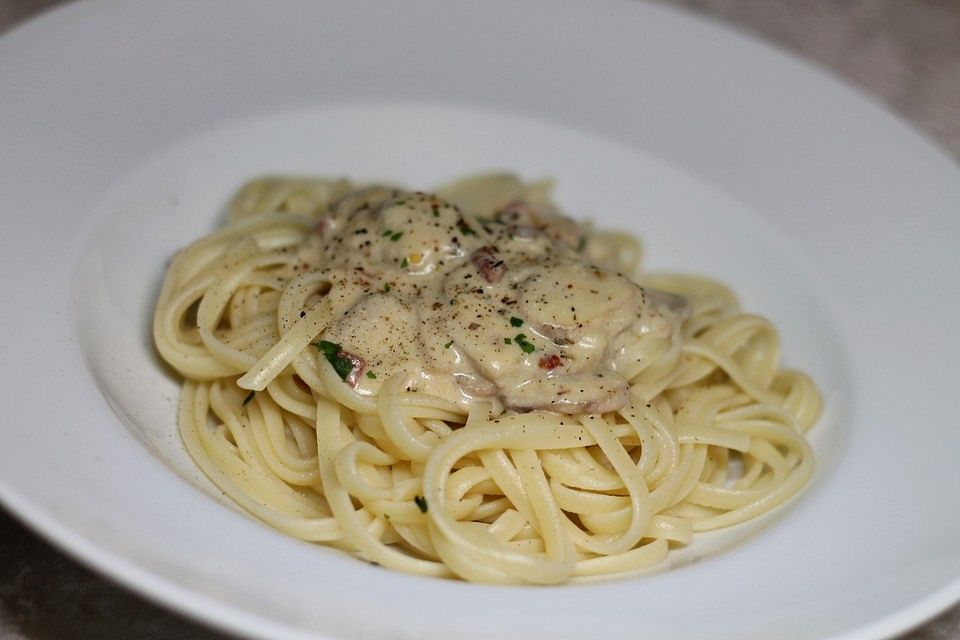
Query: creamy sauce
pixel 514 307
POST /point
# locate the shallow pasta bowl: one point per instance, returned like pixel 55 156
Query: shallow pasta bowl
pixel 126 127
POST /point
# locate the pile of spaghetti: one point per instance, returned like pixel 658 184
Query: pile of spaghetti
pixel 467 383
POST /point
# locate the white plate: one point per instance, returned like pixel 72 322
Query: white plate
pixel 125 126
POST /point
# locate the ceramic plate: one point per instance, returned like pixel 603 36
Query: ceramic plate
pixel 125 128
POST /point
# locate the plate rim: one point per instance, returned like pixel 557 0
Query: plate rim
pixel 139 579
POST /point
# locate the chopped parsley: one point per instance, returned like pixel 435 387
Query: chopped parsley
pixel 386 287
pixel 396 236
pixel 403 264
pixel 421 503
pixel 582 244
pixel 331 351
pixel 465 230
pixel 507 341
pixel 371 375
pixel 521 340
pixel 515 321
pixel 387 233
pixel 249 397
pixel 448 345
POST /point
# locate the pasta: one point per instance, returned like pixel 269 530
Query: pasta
pixel 468 384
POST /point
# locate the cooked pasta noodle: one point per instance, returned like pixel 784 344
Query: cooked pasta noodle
pixel 468 384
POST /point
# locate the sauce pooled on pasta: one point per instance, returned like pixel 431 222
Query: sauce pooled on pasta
pixel 514 307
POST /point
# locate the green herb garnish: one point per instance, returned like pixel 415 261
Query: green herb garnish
pixel 371 375
pixel 386 287
pixel 515 321
pixel 403 264
pixel 465 230
pixel 396 236
pixel 521 340
pixel 386 233
pixel 331 351
pixel 507 341
pixel 421 503
pixel 448 345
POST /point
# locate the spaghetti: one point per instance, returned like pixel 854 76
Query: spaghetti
pixel 469 384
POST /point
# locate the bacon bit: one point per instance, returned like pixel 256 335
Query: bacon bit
pixel 487 264
pixel 358 366
pixel 550 362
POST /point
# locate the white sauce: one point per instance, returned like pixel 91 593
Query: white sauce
pixel 507 309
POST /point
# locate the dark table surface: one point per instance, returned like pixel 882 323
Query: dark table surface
pixel 903 53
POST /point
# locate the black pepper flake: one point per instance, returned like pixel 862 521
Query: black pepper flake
pixel 303 314
pixel 249 397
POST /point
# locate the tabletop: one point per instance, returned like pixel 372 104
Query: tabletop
pixel 904 54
